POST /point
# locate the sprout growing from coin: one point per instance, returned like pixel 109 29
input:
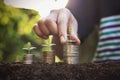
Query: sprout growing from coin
pixel 69 35
pixel 47 45
pixel 71 51
pixel 28 58
pixel 48 53
pixel 28 48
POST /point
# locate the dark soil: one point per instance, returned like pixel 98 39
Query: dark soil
pixel 60 71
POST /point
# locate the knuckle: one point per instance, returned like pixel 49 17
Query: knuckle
pixel 40 22
pixel 55 33
pixel 47 33
pixel 65 10
pixel 60 22
pixel 39 34
pixel 48 21
pixel 53 11
pixel 34 27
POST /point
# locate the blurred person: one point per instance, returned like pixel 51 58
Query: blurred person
pixel 82 16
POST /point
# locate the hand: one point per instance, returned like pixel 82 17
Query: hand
pixel 57 24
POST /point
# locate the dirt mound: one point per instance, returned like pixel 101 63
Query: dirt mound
pixel 60 71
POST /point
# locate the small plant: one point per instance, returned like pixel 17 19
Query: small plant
pixel 29 48
pixel 28 58
pixel 48 53
pixel 70 31
pixel 47 45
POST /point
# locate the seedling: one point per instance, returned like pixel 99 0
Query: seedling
pixel 29 57
pixel 71 51
pixel 29 48
pixel 48 53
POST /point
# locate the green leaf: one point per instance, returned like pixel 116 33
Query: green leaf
pixel 46 48
pixel 29 44
pixel 70 30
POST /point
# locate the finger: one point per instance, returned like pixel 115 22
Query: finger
pixel 74 25
pixel 38 32
pixel 62 27
pixel 51 24
pixel 76 39
pixel 43 28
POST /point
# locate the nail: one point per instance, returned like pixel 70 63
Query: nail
pixel 62 39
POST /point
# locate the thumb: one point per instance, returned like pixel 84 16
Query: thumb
pixel 62 27
pixel 62 31
pixel 63 39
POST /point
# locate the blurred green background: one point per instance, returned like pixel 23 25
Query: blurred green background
pixel 16 30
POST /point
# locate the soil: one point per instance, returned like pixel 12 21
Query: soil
pixel 60 71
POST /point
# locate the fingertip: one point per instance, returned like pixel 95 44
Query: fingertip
pixel 78 42
pixel 45 37
pixel 34 26
pixel 62 39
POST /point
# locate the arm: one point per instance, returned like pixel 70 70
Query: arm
pixel 58 21
pixel 86 13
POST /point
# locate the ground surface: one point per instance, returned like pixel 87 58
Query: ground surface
pixel 60 71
